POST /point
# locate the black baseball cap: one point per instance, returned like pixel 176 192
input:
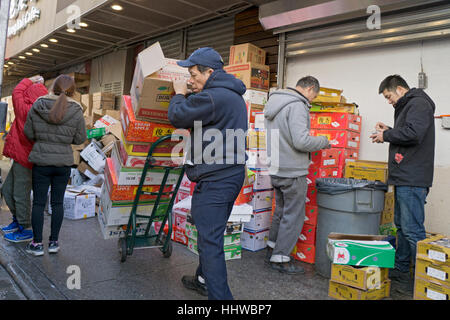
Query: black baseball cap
pixel 205 56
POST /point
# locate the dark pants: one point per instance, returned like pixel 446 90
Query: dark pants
pixel 212 203
pixel 409 217
pixel 43 177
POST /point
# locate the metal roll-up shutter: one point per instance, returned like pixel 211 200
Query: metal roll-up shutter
pixel 171 44
pixel 430 23
pixel 218 34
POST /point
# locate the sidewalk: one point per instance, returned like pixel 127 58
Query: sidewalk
pixel 146 274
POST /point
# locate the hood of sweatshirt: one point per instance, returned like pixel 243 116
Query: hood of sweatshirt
pixel 220 79
pixel 44 104
pixel 413 93
pixel 280 99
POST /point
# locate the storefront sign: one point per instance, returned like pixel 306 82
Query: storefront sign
pixel 31 15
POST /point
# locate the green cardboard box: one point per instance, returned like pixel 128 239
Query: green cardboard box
pixel 228 239
pixel 360 250
pixel 231 251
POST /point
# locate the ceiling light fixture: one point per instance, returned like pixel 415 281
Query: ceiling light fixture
pixel 28 53
pixel 71 30
pixel 53 40
pixel 83 24
pixel 36 50
pixel 43 45
pixel 22 57
pixel 117 7
pixel 10 62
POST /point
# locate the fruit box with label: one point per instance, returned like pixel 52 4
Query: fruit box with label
pixel 78 205
pixel 262 180
pixel 114 232
pixel 246 193
pixel 259 221
pixel 138 130
pixel 366 170
pixel 364 278
pixel 325 158
pixel 259 121
pixel 329 95
pixel 252 110
pixel 94 156
pixel 131 176
pixel 311 213
pixel 308 234
pixel 339 138
pixel 257 159
pixel 233 251
pixel 427 290
pixel 347 155
pixel 344 292
pixel 128 193
pixel 133 161
pixel 255 76
pixel 228 239
pixel 256 139
pixel 152 88
pixel 311 196
pixel 256 97
pixel 360 250
pixel 335 121
pixel 435 249
pixel 437 273
pixel 247 52
pixel 254 240
pixel 326 172
pixel 262 200
pixel 334 107
pixel 304 252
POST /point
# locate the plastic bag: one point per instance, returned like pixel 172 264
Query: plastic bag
pixel 342 185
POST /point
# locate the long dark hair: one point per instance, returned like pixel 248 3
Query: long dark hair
pixel 64 86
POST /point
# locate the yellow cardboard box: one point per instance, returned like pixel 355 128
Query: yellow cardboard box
pixel 435 249
pixel 387 215
pixel 437 273
pixel 343 292
pixel 427 290
pixel 256 139
pixel 330 95
pixel 366 278
pixel 367 170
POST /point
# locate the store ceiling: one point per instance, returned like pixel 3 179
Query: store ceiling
pixel 108 29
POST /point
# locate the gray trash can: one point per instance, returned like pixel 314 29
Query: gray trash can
pixel 345 206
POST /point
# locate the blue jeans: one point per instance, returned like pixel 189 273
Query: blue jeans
pixel 409 219
pixel 212 203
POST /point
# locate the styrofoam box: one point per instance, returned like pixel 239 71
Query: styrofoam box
pixel 262 181
pixel 254 241
pixel 259 221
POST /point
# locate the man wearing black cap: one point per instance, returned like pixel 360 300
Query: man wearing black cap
pixel 217 116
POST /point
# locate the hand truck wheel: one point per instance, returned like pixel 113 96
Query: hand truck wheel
pixel 123 249
pixel 168 252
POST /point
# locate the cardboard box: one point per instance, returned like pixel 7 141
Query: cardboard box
pixel 325 158
pixel 367 170
pixel 333 107
pixel 262 181
pixel 179 236
pixel 151 88
pixel 339 138
pixel 387 215
pixel 94 156
pixel 435 249
pixel 115 232
pixel 231 252
pixel 256 98
pixel 87 100
pixel 324 172
pixel 254 240
pixel 308 234
pixel 259 121
pixel 388 229
pixel 141 149
pixel 247 52
pixel 366 278
pixel 87 170
pixel 304 252
pixel 256 139
pixel 252 110
pixel 228 238
pixel 132 175
pixel 437 273
pixel 343 292
pixel 311 213
pixel 257 159
pixel 128 160
pixel 335 121
pixel 241 213
pixel 311 196
pixel 78 205
pixel 128 193
pixel 141 131
pixel 259 221
pixel 347 155
pixel 262 200
pixel 360 250
pixel 329 95
pixel 255 76
pixel 427 290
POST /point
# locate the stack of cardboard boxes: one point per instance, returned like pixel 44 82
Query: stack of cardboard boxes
pixel 359 266
pixel 143 120
pixel 433 268
pixel 247 63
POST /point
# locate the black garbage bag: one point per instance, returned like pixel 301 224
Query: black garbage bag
pixel 342 185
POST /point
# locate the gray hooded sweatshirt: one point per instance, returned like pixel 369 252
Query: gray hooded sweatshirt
pixel 287 130
pixel 53 140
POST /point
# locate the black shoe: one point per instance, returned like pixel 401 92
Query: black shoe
pixel 405 288
pixel 287 267
pixel 192 283
pixel 399 276
pixel 268 255
pixel 53 247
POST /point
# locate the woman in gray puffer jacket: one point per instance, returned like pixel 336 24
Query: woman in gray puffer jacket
pixel 54 122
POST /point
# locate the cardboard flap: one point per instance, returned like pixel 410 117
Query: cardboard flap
pixel 361 237
pixel 151 59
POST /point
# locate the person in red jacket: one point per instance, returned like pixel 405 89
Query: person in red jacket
pixel 17 187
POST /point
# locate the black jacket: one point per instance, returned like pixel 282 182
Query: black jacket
pixel 411 149
pixel 220 107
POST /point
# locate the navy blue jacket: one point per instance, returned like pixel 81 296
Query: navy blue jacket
pixel 217 145
pixel 412 140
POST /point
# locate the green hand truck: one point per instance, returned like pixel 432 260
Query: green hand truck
pixel 161 211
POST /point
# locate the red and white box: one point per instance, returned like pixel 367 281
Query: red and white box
pixel 311 213
pixel 245 195
pixel 304 252
pixel 335 121
pixel 327 172
pixel 308 234
pixel 325 158
pixel 347 155
pixel 181 194
pixel 311 196
pixel 339 138
pixel 187 185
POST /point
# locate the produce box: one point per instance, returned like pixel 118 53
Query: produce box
pixel 335 121
pixel 232 252
pixel 254 240
pixel 304 252
pixel 138 130
pixel 262 200
pixel 259 121
pixel 367 170
pixel 96 133
pixel 329 95
pixel 311 196
pixel 152 88
pixel 311 213
pixel 339 138
pixel 333 107
pixel 429 271
pixel 365 278
pixel 435 249
pixel 387 215
pixel 78 205
pixel 427 290
pixel 262 181
pixel 343 292
pixel 259 221
pixel 252 110
pixel 228 238
pixel 141 149
pixel 324 172
pixel 132 175
pixel 257 159
pixel 127 192
pixel 256 98
pixel 129 160
pixel 325 158
pixel 256 139
pixel 94 156
pixel 346 155
pixel 115 232
pixel 255 76
pixel 360 250
pixel 308 234
pixel 246 52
